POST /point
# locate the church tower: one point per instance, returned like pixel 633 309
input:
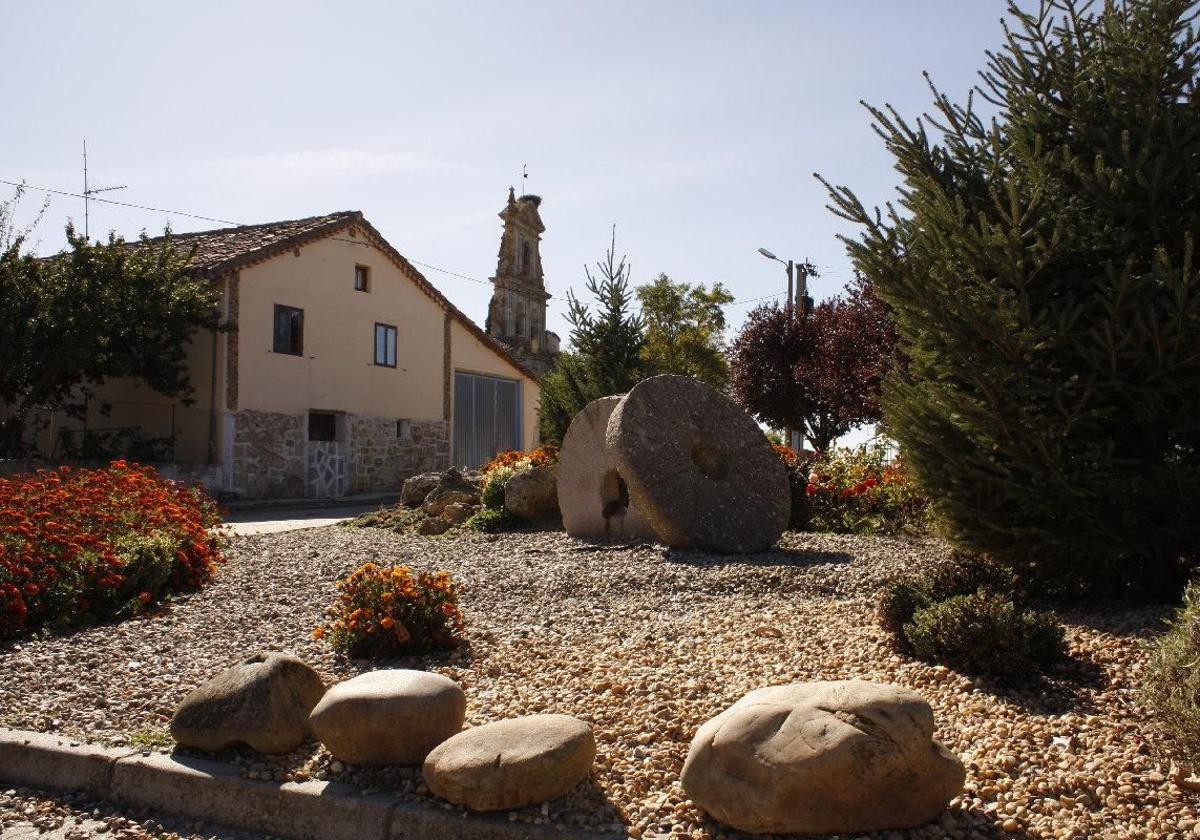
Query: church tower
pixel 517 313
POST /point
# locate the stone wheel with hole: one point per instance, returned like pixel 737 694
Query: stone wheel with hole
pixel 698 468
pixel 592 495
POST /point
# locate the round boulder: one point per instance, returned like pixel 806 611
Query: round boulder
pixel 389 716
pixel 262 702
pixel 533 493
pixel 592 495
pixel 511 763
pixel 822 758
pixel 698 468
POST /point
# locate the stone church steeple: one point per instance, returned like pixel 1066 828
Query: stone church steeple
pixel 517 313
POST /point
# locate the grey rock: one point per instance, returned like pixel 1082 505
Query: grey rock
pixel 432 526
pixel 415 489
pixel 389 716
pixel 458 512
pixel 822 758
pixel 262 702
pixel 697 467
pixel 511 763
pixel 451 488
pixel 533 493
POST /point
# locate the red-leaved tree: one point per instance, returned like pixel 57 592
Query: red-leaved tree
pixel 819 373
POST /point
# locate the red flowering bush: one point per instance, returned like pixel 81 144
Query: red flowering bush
pixel 83 545
pixel 853 491
pixel 385 611
pixel 547 454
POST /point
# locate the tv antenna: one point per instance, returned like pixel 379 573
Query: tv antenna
pixel 88 192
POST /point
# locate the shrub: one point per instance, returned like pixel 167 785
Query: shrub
pixel 547 454
pixel 385 611
pixel 1172 683
pixel 79 546
pixel 1039 266
pixel 857 491
pixel 985 633
pixel 492 521
pixel 491 495
pixel 961 574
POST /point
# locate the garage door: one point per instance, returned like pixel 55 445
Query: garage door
pixel 487 417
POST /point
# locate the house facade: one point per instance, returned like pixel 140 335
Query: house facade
pixel 344 370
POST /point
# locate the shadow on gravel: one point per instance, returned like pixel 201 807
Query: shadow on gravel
pixel 1065 689
pixel 774 557
pixel 978 826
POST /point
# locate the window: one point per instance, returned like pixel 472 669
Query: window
pixel 362 279
pixel 322 425
pixel 521 320
pixel 385 345
pixel 404 429
pixel 289 330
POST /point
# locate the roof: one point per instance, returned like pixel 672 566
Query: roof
pixel 226 250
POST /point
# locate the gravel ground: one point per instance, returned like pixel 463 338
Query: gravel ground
pixel 646 644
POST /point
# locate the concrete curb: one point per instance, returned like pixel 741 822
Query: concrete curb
pixel 216 792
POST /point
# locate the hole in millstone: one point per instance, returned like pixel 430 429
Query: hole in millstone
pixel 709 460
pixel 614 495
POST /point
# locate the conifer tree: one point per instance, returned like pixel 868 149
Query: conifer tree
pixel 606 347
pixel 1040 268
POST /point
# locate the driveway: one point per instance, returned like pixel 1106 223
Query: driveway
pixel 271 520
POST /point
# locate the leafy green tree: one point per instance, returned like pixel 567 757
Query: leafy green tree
pixel 1040 267
pixel 98 310
pixel 606 348
pixel 685 330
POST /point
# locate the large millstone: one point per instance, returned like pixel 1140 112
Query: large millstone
pixel 698 468
pixel 592 495
pixel 822 758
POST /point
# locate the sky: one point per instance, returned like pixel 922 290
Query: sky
pixel 693 127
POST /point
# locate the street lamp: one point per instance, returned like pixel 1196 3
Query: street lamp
pixel 800 273
pixel 790 268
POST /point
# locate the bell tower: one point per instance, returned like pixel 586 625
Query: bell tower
pixel 517 312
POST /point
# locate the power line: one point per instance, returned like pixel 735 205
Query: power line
pixel 23 185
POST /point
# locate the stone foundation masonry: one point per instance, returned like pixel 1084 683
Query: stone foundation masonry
pixel 272 456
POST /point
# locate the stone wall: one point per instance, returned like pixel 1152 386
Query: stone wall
pixel 384 451
pixel 269 452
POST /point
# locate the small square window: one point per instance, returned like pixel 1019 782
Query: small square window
pixel 385 345
pixel 289 330
pixel 362 278
pixel 322 426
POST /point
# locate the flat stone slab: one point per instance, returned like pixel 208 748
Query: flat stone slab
pixel 698 468
pixel 44 760
pixel 511 763
pixel 592 494
pixel 390 716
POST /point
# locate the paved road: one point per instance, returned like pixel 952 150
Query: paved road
pixel 271 520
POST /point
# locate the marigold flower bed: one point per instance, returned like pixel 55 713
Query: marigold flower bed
pixel 83 545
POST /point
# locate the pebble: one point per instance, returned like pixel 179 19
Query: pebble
pixel 646 644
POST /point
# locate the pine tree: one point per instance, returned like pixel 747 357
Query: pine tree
pixel 1040 269
pixel 606 348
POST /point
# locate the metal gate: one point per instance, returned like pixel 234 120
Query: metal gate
pixel 487 417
